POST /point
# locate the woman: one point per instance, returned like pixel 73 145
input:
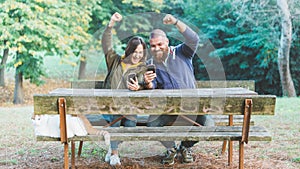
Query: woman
pixel 119 69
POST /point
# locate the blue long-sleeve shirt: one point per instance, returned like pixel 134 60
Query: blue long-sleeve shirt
pixel 177 71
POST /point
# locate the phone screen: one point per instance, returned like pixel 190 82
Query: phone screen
pixel 131 76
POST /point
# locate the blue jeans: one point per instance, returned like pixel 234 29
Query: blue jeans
pixel 162 120
pixel 127 123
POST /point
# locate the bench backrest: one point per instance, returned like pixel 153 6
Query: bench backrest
pixel 247 84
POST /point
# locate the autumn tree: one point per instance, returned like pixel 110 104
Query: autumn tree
pixel 33 29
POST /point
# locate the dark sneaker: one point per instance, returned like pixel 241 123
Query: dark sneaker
pixel 186 154
pixel 170 157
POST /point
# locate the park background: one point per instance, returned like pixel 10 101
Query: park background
pixel 46 44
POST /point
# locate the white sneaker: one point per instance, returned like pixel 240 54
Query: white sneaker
pixel 108 155
pixel 114 160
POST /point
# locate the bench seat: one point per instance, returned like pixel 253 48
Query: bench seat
pixel 220 120
pixel 175 133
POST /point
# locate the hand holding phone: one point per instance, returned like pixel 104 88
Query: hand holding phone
pixel 151 67
pixel 131 76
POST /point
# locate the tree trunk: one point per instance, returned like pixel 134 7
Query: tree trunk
pixel 18 92
pixel 287 84
pixel 2 67
pixel 82 66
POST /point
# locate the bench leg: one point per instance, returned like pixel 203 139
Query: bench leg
pixel 230 152
pixel 61 103
pixel 245 131
pixel 241 155
pixel 230 143
pixel 73 154
pixel 80 148
pixel 66 157
pixel 224 147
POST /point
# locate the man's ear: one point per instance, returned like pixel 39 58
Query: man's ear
pixel 167 41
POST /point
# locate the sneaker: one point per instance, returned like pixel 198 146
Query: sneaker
pixel 114 160
pixel 186 154
pixel 108 155
pixel 170 157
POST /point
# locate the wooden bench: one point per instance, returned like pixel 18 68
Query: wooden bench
pixel 216 101
pixel 247 84
pixel 220 120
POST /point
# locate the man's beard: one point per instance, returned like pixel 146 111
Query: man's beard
pixel 159 56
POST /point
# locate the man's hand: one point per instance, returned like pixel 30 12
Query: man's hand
pixel 169 19
pixel 149 76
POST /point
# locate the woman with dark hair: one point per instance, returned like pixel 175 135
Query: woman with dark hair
pixel 124 72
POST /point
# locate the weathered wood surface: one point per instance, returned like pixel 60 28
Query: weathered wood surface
pixel 248 84
pixel 175 133
pixel 87 84
pixel 181 101
pixel 220 120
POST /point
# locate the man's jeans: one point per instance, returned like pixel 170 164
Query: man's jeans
pixel 162 120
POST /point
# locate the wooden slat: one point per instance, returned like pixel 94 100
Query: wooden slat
pixel 142 121
pixel 167 129
pixel 248 84
pixel 176 133
pixel 197 136
pixel 86 84
pixel 190 101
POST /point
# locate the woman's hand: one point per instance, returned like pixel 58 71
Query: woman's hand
pixel 133 84
pixel 116 17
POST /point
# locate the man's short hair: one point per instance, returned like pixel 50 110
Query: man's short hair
pixel 157 33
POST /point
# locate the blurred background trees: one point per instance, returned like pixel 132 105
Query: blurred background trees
pixel 246 36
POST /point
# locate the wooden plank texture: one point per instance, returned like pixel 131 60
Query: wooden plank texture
pixel 171 133
pixel 220 120
pixel 185 101
pixel 248 84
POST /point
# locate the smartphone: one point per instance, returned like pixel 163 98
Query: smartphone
pixel 151 68
pixel 131 76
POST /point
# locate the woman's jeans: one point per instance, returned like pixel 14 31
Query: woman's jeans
pixel 127 123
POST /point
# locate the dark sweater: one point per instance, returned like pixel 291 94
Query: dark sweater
pixel 178 71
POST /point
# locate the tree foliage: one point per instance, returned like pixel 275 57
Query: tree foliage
pixel 33 29
pixel 245 35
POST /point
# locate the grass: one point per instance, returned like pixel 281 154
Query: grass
pixel 296 160
pixel 92 149
pixel 18 143
pixel 9 162
pixel 95 67
pixel 67 68
pixel 19 149
pixel 284 127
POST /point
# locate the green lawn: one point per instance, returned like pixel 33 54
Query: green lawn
pixel 19 148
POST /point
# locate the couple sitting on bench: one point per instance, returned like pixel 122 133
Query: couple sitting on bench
pixel 173 70
pixel 169 68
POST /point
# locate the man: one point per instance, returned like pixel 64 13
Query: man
pixel 174 70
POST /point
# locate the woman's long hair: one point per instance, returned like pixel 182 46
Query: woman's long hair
pixel 131 47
